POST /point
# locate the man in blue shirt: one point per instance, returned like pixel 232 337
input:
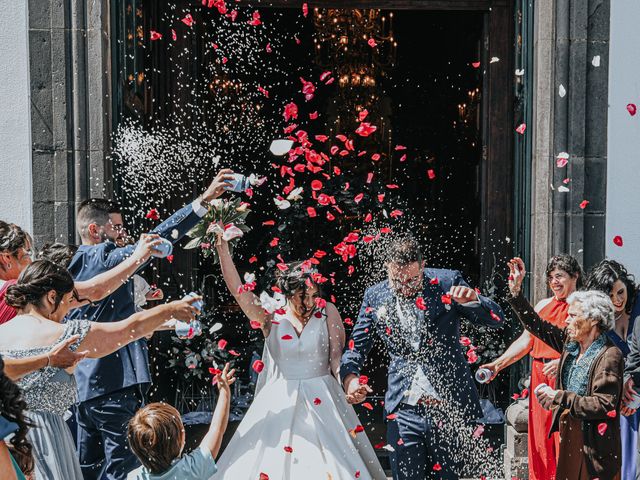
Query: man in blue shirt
pixel 111 389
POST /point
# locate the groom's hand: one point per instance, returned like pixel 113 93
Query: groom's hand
pixel 463 294
pixel 355 391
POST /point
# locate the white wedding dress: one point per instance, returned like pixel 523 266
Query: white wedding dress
pixel 299 426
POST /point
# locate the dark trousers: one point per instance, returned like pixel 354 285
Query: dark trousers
pixel 102 434
pixel 418 446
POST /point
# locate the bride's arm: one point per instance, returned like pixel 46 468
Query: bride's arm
pixel 248 301
pixel 336 339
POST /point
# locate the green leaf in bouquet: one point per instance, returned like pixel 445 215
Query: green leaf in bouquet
pixel 195 243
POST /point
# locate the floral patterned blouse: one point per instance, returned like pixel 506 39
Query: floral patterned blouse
pixel 575 374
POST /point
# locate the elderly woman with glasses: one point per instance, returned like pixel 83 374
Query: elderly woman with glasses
pixel 586 403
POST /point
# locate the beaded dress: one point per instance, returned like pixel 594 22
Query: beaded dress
pixel 49 392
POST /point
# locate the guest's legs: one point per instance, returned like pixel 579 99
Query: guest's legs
pixel 88 443
pixel 111 414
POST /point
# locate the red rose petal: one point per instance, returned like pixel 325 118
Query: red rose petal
pixel 317 401
pixel 618 240
pixel 420 303
pixel 367 405
pixel 583 204
pixel 258 366
pixel 631 108
pixel 222 344
pixel 602 427
pixel 286 337
pixel 612 414
pixel 155 35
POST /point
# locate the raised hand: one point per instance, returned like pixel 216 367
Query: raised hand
pixel 63 357
pixel 225 378
pixel 217 186
pixel 517 272
pixel 146 246
pixel 462 294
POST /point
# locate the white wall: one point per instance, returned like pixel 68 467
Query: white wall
pixel 623 145
pixel 15 116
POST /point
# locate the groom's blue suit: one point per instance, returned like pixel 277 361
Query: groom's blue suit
pixel 111 389
pixel 441 356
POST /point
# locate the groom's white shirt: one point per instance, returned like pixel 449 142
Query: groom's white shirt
pixel 412 319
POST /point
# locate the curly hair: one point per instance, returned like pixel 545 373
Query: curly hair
pixel 567 264
pixel 12 238
pixel 604 274
pixel 12 409
pixel 36 281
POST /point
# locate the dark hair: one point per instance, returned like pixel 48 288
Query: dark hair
pixel 12 409
pixel 36 281
pixel 12 238
pixel 298 277
pixel 603 275
pixel 95 210
pixel 58 253
pixel 155 434
pixel 567 264
pixel 404 250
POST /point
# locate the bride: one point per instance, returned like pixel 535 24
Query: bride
pixel 299 425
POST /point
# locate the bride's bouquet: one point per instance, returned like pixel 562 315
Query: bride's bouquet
pixel 226 218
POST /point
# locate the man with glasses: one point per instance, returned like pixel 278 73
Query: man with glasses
pixel 111 389
pixel 416 313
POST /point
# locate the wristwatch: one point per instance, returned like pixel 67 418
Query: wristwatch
pixel 203 202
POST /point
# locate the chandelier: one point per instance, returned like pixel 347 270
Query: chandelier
pixel 356 44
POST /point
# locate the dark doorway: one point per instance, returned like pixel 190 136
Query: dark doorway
pixel 443 100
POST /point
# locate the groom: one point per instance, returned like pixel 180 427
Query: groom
pixel 416 313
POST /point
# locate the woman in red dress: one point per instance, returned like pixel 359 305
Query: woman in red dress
pixel 15 256
pixel 564 276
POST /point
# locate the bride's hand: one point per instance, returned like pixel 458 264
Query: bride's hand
pixel 354 390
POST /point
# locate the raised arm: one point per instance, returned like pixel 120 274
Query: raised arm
pixel 476 308
pixel 248 301
pixel 213 439
pixel 545 331
pixel 105 338
pixel 107 282
pixel 336 338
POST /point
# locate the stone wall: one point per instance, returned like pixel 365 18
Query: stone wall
pixel 568 35
pixel 15 134
pixel 70 117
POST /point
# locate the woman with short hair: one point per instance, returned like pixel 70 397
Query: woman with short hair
pixel 586 402
pixel 564 276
